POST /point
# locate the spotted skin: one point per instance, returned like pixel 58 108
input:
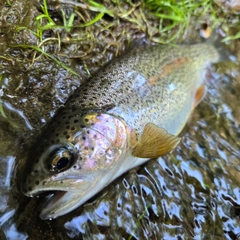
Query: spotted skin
pixel 89 142
pixel 148 81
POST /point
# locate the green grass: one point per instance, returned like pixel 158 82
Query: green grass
pixel 10 59
pixel 1 110
pixel 8 3
pixel 42 26
pixel 47 55
pixel 234 37
pixel 45 22
pixel 138 222
pixel 173 18
pixel 1 106
pixel 67 25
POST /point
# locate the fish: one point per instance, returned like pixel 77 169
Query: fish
pixel 130 111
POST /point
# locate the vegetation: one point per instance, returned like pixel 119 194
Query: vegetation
pixel 40 28
pixel 8 3
pixel 174 18
pixel 178 15
pixel 1 106
pixel 138 222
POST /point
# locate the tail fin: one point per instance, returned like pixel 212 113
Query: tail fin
pixel 215 39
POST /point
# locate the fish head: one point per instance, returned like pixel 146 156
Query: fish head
pixel 71 165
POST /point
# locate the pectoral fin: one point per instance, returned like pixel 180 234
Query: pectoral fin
pixel 154 142
pixel 200 94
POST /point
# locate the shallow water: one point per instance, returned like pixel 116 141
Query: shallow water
pixel 192 193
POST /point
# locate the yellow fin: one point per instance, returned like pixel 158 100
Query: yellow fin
pixel 199 95
pixel 154 142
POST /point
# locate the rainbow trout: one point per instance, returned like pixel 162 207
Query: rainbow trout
pixel 130 111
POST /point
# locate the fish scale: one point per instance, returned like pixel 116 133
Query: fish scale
pixel 128 112
pixel 110 87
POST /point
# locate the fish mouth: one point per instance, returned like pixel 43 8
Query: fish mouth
pixel 56 203
pixel 52 197
pixel 60 200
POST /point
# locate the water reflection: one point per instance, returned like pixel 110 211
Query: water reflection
pixel 7 205
pixel 20 115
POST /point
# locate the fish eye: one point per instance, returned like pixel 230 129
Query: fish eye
pixel 61 160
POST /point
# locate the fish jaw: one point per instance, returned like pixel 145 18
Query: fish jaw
pixel 81 190
pixel 64 200
pixel 57 206
pixel 66 194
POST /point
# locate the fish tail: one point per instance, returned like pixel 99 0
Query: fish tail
pixel 216 41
